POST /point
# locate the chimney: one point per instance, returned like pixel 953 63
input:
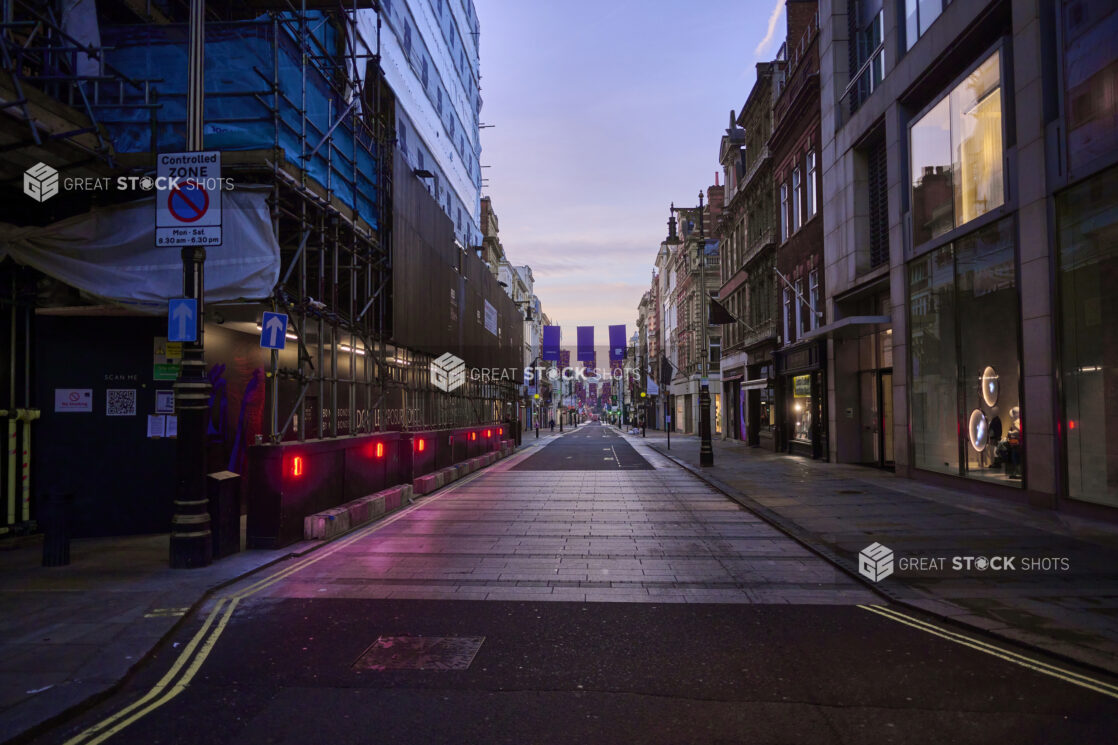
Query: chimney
pixel 799 14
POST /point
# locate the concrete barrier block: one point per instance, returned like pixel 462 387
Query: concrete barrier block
pixel 359 511
pixel 427 484
pixel 326 524
pixel 376 504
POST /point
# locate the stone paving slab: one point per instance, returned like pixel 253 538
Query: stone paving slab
pixel 650 536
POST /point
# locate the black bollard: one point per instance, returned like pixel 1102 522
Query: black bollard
pixel 55 521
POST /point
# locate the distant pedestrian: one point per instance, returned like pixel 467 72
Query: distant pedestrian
pixel 553 424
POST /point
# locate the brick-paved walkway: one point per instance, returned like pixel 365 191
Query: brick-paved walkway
pixel 840 509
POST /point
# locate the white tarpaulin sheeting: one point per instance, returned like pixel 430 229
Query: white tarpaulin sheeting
pixel 111 253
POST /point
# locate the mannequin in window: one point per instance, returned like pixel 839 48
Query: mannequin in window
pixel 1013 440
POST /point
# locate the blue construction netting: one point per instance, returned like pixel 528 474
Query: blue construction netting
pixel 241 62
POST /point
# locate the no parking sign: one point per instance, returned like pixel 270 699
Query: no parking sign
pixel 188 202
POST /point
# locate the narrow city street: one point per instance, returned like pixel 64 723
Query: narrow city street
pixel 586 590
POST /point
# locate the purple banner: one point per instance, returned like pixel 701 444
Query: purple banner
pixel 585 349
pixel 617 343
pixel 551 341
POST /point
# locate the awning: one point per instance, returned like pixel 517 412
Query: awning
pixel 842 323
pixel 749 385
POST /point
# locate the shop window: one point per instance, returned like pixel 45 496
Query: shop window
pixel 801 409
pixel 957 152
pixel 1087 225
pixel 964 321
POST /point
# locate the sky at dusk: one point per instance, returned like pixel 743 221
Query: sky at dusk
pixel 606 112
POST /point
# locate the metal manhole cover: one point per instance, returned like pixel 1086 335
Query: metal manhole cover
pixel 420 653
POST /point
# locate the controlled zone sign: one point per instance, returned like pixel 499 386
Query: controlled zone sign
pixel 188 201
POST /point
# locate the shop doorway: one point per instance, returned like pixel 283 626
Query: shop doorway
pixel 753 417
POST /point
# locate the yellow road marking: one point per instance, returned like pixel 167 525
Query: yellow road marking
pixel 1068 676
pixel 163 691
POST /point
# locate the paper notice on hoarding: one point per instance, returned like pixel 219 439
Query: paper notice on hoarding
pixel 157 425
pixel 172 426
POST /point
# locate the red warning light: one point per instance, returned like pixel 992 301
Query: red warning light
pixel 380 450
pixel 488 433
pixel 421 445
pixel 1071 424
pixel 473 435
pixel 297 466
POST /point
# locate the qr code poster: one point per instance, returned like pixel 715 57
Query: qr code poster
pixel 120 402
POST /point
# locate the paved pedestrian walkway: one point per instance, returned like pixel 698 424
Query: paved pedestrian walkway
pixel 71 633
pixel 614 534
pixel 1060 595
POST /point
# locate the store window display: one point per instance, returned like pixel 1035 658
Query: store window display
pixel 800 411
pixel 964 328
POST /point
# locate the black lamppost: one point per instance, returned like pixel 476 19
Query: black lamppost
pixel 536 396
pixel 706 450
pixel 191 539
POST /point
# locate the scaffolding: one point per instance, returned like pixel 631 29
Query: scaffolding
pixel 296 101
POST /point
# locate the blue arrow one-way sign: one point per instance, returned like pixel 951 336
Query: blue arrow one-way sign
pixel 273 330
pixel 181 315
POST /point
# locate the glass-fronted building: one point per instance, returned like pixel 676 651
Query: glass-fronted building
pixel 977 238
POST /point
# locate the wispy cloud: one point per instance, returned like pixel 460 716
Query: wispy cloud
pixel 771 32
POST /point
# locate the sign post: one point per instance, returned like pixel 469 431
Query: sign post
pixel 191 539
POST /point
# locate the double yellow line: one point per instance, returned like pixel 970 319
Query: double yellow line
pixel 1068 676
pixel 202 643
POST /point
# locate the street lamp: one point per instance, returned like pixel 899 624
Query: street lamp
pixel 706 450
pixel 644 412
pixel 535 411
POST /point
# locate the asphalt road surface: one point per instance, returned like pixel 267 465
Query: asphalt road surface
pixel 560 597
